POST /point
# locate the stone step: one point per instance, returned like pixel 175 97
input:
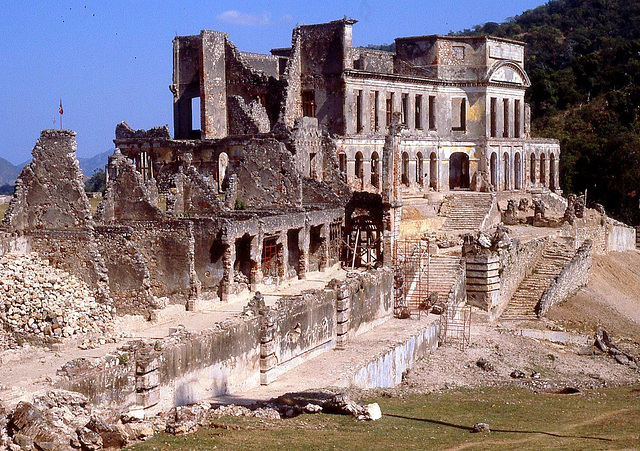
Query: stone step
pixel 522 303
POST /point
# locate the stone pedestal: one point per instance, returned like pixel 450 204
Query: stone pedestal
pixel 483 280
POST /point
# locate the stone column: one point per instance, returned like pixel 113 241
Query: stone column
pixel 147 381
pixel 324 249
pixel 228 260
pixel 256 261
pixel 391 194
pixel 268 358
pixel 343 315
pixel 303 246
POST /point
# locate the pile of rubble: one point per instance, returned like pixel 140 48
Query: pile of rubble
pixel 42 303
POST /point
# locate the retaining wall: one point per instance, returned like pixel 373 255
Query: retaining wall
pixel 574 276
pixel 244 351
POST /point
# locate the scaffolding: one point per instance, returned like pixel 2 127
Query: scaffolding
pixel 455 326
pixel 412 258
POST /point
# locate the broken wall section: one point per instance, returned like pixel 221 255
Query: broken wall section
pixel 49 191
pixel 267 177
pixel 127 197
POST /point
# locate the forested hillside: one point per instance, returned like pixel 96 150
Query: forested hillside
pixel 583 57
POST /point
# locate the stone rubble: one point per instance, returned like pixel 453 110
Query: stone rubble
pixel 42 303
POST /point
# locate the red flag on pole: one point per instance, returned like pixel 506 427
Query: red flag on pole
pixel 61 111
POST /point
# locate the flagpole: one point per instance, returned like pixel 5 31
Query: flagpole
pixel 61 111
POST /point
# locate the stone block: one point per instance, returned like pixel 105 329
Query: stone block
pixel 267 377
pixel 342 328
pixel 146 365
pixel 147 381
pixel 267 349
pixel 343 316
pixel 269 362
pixel 148 398
pixel 342 304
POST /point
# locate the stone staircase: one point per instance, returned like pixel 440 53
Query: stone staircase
pixel 524 300
pixel 465 210
pixel 443 272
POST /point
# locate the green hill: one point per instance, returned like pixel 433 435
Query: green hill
pixel 583 57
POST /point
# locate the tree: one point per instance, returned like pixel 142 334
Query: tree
pixel 97 182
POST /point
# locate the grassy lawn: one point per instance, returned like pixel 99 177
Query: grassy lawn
pixel 519 419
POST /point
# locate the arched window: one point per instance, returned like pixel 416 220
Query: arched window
pixel 433 171
pixel 518 170
pixel 552 172
pixel 493 169
pixel 506 172
pixel 532 175
pixel 359 165
pixel 375 173
pixel 342 162
pixel 543 170
pixel 405 168
pixel 419 174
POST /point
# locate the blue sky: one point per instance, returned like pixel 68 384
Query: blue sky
pixel 111 61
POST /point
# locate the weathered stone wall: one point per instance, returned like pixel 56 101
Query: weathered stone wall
pixel 49 191
pixel 371 300
pixel 12 243
pixel 574 276
pixel 246 118
pixel 129 278
pixel 76 252
pixel 516 263
pixel 167 247
pixel 188 367
pixel 303 324
pixel 127 197
pixel 619 237
pixel 373 60
pixel 267 177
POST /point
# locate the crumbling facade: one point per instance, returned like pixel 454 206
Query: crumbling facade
pixel 277 160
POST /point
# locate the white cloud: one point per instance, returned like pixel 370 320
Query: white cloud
pixel 235 17
pixel 250 20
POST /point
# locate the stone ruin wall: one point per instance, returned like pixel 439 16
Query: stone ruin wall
pixel 237 354
pixel 574 276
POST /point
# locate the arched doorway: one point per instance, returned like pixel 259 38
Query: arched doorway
pixel 405 168
pixel 375 181
pixel 506 172
pixel 532 174
pixel 552 172
pixel 459 170
pixel 433 171
pixel 518 170
pixel 419 169
pixel 359 168
pixel 493 170
pixel 543 170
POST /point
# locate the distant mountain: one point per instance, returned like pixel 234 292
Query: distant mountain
pixel 99 161
pixel 9 172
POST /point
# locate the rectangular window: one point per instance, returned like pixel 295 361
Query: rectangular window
pixel 376 116
pixel 494 117
pixel 309 103
pixel 432 112
pixel 358 111
pixel 505 110
pixel 418 112
pixel 404 108
pixel 516 119
pixel 459 114
pixel 389 105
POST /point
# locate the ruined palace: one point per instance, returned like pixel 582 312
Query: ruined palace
pixel 388 175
